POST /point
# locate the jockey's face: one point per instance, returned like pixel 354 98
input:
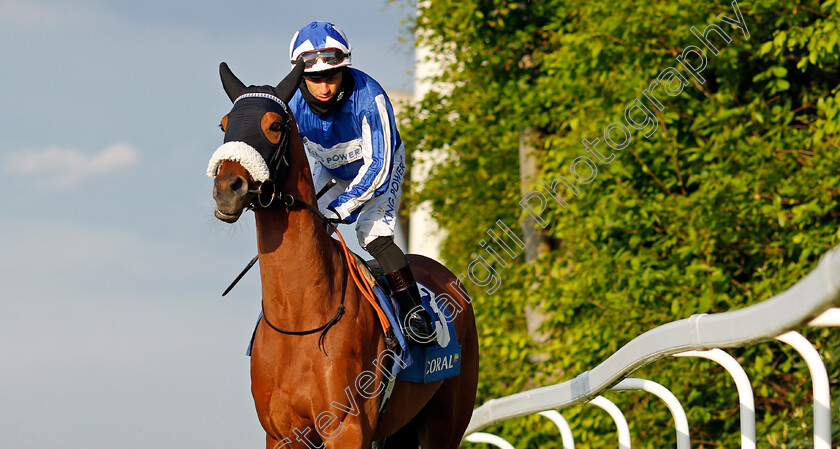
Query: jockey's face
pixel 323 89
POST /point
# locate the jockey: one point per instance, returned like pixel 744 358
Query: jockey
pixel 348 128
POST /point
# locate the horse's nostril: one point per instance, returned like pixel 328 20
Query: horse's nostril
pixel 237 184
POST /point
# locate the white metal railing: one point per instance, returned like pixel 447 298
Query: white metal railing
pixel 566 431
pixel 808 302
pixel 620 421
pixel 742 383
pixel 819 380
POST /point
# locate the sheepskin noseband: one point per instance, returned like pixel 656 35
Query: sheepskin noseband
pixel 243 153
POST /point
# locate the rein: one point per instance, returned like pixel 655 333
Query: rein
pixel 288 201
pixel 335 319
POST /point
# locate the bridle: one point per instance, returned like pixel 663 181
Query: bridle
pixel 278 164
pixel 267 195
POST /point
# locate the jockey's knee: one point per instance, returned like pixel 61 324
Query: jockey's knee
pixel 390 257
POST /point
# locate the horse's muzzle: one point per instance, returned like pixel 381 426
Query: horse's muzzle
pixel 225 217
pixel 232 197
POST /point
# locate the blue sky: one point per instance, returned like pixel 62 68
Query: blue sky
pixel 112 329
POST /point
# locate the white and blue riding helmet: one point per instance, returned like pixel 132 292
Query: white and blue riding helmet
pixel 322 46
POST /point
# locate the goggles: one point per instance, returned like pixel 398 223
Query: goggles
pixel 330 56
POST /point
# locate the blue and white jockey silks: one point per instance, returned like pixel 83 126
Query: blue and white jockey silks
pixel 359 146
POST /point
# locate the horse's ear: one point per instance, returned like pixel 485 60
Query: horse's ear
pixel 286 89
pixel 233 87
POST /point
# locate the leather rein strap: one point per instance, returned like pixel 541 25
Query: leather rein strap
pixel 289 201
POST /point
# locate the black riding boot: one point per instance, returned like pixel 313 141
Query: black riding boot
pixel 415 321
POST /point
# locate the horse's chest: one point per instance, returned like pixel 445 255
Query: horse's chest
pixel 316 410
pixel 306 388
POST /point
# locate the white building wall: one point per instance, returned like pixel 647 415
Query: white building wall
pixel 425 236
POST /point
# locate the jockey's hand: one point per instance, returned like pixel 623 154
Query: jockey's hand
pixel 332 216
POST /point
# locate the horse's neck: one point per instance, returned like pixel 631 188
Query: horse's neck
pixel 299 264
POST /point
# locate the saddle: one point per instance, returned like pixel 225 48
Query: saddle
pixel 373 275
pixel 438 361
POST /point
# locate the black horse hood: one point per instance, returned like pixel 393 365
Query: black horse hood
pixel 245 140
pixel 245 119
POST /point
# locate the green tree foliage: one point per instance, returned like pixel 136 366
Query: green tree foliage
pixel 731 199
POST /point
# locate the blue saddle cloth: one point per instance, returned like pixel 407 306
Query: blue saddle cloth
pixel 424 364
pixel 419 364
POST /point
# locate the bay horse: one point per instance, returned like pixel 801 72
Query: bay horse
pixel 323 389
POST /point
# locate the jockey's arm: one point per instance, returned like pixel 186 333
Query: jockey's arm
pixel 378 146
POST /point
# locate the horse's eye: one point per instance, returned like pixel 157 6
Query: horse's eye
pixel 276 126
